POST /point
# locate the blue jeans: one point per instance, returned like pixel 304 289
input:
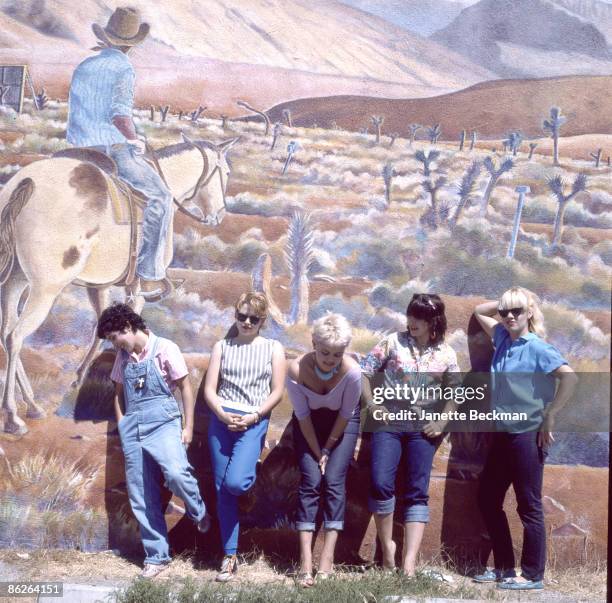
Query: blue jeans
pixel 386 452
pixel 150 433
pixel 157 214
pixel 331 487
pixel 234 456
pixel 515 458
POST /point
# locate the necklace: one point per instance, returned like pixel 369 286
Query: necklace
pixel 325 376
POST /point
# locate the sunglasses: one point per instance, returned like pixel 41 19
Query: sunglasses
pixel 516 312
pixel 243 318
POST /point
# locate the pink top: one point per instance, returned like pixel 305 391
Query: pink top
pixel 344 397
pixel 168 359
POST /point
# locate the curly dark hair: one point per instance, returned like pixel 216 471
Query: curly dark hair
pixel 429 308
pixel 118 317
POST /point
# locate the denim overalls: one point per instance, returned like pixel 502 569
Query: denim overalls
pixel 150 433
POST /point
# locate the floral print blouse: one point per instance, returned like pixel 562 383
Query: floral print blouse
pixel 401 361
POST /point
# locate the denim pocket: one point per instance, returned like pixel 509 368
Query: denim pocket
pixel 171 409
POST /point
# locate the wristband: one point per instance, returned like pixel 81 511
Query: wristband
pixel 325 452
pixel 258 416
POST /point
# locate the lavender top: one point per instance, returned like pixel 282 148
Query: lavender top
pixel 344 397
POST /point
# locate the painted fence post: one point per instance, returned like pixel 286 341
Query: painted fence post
pixel 522 191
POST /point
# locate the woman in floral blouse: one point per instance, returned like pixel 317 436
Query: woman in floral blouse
pixel 415 357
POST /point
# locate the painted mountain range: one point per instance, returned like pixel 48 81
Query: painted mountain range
pixel 533 38
pixel 324 42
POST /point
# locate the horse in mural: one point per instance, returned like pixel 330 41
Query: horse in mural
pixel 68 220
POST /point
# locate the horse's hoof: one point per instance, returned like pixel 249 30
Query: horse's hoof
pixel 15 426
pixel 36 413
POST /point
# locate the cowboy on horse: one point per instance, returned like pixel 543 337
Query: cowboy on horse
pixel 100 118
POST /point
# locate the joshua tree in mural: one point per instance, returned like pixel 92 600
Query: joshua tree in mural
pixel 532 148
pixel 275 134
pixel 494 173
pixel 473 138
pixel 223 120
pixel 41 99
pixel 432 216
pixel 287 117
pixel 414 128
pixel 393 136
pixel 552 126
pixel 291 149
pixel 513 142
pixel 261 114
pixel 197 113
pixel 378 121
pixel 462 140
pixel 164 112
pixel 466 190
pixel 426 160
pixel 388 174
pixel 597 157
pixel 557 186
pixel 299 257
pixel 433 133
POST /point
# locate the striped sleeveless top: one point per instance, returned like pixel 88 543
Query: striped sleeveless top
pixel 246 373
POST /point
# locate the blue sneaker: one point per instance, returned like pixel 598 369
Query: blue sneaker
pixel 490 575
pixel 514 584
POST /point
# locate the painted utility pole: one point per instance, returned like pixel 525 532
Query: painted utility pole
pixel 522 191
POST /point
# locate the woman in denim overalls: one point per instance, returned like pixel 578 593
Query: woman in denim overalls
pixel 152 437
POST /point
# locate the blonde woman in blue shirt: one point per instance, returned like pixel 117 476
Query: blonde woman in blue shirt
pixel 525 371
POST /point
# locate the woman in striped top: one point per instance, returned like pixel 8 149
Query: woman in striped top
pixel 244 382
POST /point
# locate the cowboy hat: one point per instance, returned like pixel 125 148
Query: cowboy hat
pixel 123 28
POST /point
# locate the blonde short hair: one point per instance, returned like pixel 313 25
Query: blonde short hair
pixel 332 330
pixel 255 300
pixel 519 297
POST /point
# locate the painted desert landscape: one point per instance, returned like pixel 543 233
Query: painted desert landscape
pixel 369 167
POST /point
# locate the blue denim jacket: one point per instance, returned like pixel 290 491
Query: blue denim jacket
pixel 102 87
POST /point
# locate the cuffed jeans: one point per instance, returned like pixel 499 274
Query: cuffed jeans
pixel 234 457
pixel 138 173
pixel 515 458
pixel 386 452
pixel 331 487
pixel 150 435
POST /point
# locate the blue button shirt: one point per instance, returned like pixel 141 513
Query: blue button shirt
pixel 102 87
pixel 522 379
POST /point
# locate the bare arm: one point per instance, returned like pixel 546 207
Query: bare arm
pixel 277 386
pixel 484 314
pixel 210 387
pixel 567 384
pixel 186 390
pixel 118 402
pixel 308 432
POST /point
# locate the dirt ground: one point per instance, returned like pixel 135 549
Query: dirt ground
pixel 106 568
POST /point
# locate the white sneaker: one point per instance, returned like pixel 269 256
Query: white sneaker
pixel 153 569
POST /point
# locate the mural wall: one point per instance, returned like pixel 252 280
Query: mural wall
pixel 380 154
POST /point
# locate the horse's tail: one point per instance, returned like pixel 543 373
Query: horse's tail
pixel 19 197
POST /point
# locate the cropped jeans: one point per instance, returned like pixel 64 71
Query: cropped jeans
pixel 386 452
pixel 329 490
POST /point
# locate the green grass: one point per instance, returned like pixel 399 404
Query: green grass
pixel 347 588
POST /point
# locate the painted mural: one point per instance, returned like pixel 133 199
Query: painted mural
pixel 355 153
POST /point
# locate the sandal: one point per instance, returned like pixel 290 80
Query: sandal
pixel 305 580
pixel 229 568
pixel 321 576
